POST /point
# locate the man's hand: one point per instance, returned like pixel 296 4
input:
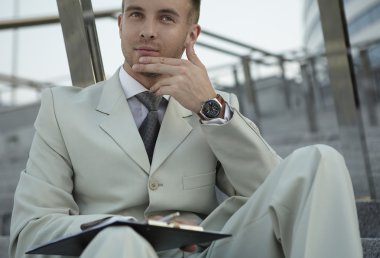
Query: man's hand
pixel 185 80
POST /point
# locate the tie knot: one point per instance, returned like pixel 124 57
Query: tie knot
pixel 149 100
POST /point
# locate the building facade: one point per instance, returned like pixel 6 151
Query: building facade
pixel 363 19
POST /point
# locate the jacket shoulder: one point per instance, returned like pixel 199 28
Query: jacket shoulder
pixel 75 94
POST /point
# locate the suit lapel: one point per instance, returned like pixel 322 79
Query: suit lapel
pixel 119 124
pixel 174 130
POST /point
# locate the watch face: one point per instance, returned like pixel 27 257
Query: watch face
pixel 211 108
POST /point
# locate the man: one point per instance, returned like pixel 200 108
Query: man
pixel 93 156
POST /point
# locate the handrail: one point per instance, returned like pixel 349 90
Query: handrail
pixel 27 82
pixel 8 109
pixel 241 44
pixel 33 21
pixel 228 52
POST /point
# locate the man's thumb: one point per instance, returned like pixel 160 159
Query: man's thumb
pixel 192 56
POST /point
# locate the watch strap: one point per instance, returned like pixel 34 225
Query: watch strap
pixel 222 103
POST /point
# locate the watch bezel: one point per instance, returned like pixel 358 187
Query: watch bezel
pixel 208 103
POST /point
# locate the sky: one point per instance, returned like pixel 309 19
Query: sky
pixel 272 25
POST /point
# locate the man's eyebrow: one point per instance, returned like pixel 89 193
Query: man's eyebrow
pixel 169 11
pixel 166 10
pixel 134 8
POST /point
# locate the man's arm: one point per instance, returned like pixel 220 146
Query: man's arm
pixel 245 156
pixel 44 206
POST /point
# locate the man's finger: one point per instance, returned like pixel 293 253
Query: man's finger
pixel 157 68
pixel 192 56
pixel 161 83
pixel 160 60
pixel 189 248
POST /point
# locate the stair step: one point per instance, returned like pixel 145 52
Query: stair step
pixel 5 224
pixel 369 219
pixel 6 203
pixel 4 244
pixel 371 247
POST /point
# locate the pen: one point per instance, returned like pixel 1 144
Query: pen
pixel 169 217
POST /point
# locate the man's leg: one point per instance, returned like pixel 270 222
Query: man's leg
pixel 305 208
pixel 118 242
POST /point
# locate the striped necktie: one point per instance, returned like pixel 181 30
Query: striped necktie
pixel 151 125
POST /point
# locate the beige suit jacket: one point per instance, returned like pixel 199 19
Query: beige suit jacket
pixel 87 160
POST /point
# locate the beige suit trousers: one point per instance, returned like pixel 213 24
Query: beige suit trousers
pixel 305 208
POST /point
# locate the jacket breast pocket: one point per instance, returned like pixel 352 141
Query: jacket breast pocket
pixel 198 181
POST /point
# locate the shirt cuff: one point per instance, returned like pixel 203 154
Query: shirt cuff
pixel 220 121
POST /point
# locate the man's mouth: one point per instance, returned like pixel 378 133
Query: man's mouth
pixel 147 51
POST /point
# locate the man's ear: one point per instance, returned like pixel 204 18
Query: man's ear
pixel 192 36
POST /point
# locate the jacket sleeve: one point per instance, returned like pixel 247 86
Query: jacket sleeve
pixel 44 206
pixel 246 158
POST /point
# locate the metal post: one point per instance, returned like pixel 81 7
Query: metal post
pixel 81 40
pixel 368 87
pixel 250 89
pixel 239 89
pixel 309 99
pixel 16 9
pixel 319 96
pixel 285 84
pixel 342 78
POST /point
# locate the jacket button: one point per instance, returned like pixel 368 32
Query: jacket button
pixel 153 185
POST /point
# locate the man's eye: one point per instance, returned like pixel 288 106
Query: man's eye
pixel 135 15
pixel 166 18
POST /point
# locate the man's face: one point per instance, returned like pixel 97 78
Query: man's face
pixel 155 28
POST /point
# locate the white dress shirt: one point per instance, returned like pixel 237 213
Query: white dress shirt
pixel 131 88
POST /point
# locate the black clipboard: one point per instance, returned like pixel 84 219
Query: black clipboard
pixel 159 236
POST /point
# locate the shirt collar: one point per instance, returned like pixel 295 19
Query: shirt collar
pixel 130 86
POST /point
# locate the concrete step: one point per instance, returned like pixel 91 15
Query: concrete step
pixel 6 203
pixel 4 244
pixel 369 219
pixel 5 224
pixel 371 247
pixel 8 187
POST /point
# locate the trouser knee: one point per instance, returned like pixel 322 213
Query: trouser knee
pixel 322 159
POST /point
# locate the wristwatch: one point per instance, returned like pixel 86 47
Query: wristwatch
pixel 212 108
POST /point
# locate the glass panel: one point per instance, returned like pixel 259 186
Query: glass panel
pixel 363 18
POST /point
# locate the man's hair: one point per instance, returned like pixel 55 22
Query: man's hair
pixel 195 11
pixel 193 15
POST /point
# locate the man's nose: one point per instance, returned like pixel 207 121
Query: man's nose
pixel 148 30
